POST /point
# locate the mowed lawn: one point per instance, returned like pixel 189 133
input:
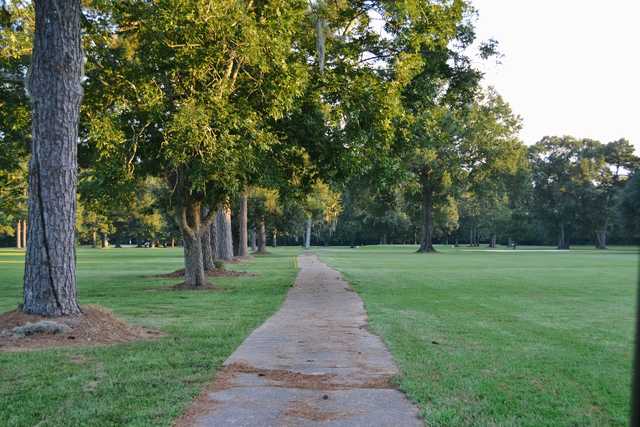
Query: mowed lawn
pixel 512 338
pixel 144 383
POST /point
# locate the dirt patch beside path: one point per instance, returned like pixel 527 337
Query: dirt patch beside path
pixel 95 326
pixel 214 273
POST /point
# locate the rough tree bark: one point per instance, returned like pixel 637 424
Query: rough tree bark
pixel 56 93
pixel 426 245
pixel 262 236
pixel 307 234
pixel 243 240
pixel 223 236
pixel 207 248
pixel 191 225
pixel 19 235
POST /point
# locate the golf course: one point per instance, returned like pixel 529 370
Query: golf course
pixel 530 337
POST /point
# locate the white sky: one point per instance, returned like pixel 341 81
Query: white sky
pixel 569 66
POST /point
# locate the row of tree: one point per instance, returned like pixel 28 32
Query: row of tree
pixel 153 121
pixel 565 190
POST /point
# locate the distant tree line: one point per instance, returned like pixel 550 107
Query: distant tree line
pixel 564 191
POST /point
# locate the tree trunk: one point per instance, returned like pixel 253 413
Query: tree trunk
pixel 223 235
pixel 94 239
pixel 563 241
pixel 493 242
pixel 19 235
pixel 601 236
pixel 173 242
pixel 207 248
pixel 262 237
pixel 190 223
pixel 426 245
pixel 24 234
pixel 275 239
pixel 254 240
pixel 243 248
pixel 194 273
pixel 105 241
pixel 56 93
pixel 307 234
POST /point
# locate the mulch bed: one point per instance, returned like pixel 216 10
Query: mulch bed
pixel 95 326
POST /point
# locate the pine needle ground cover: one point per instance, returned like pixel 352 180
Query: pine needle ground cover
pixel 520 338
pixel 144 382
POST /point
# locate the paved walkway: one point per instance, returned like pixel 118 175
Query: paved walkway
pixel 312 364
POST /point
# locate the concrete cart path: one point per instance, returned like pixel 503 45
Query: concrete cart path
pixel 314 363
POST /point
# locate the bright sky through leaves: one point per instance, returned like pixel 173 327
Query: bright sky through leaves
pixel 569 66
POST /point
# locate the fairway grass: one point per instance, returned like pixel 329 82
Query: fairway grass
pixel 142 383
pixel 510 338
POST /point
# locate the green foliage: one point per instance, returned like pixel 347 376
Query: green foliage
pixel 16 29
pixel 193 86
pixel 630 206
pixel 577 182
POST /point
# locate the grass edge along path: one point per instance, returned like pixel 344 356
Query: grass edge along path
pixel 140 383
pixel 532 338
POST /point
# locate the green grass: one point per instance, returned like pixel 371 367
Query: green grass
pixel 143 383
pixel 511 338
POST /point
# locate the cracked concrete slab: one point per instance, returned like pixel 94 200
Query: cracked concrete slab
pixel 314 363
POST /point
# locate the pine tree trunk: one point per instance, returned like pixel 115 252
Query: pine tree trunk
pixel 262 237
pixel 307 234
pixel 243 248
pixel 426 245
pixel 207 252
pixel 19 235
pixel 224 236
pixel 56 93
pixel 173 242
